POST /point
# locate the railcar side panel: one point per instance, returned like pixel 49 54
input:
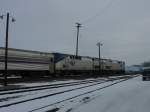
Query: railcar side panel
pixel 29 61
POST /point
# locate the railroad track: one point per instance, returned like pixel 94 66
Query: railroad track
pixel 61 92
pixel 43 87
pixel 68 99
pixel 6 90
pixel 32 87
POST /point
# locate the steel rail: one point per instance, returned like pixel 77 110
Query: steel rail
pixel 44 87
pixel 82 94
pixel 53 94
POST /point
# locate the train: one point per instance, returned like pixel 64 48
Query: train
pixel 28 63
pixel 146 73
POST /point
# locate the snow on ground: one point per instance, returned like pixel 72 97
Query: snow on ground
pixel 129 96
pixel 27 106
pixel 10 98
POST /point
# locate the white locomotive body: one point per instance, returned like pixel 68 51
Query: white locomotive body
pixel 109 66
pixel 72 64
pixel 82 64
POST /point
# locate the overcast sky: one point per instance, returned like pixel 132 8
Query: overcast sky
pixel 123 26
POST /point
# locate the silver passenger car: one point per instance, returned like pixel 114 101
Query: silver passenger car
pixel 25 62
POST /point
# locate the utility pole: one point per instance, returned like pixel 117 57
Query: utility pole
pixel 6 50
pixel 99 44
pixel 6 46
pixel 78 27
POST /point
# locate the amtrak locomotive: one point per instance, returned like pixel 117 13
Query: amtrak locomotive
pixel 29 63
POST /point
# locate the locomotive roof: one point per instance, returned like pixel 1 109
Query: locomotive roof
pixel 23 50
pixel 63 55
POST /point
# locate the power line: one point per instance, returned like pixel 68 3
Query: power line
pixel 99 13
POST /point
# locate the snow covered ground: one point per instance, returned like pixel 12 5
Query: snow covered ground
pixel 10 98
pixel 129 96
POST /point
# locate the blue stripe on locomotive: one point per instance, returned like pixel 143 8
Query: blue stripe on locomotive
pixel 58 57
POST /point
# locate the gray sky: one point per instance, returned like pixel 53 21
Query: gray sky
pixel 123 26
